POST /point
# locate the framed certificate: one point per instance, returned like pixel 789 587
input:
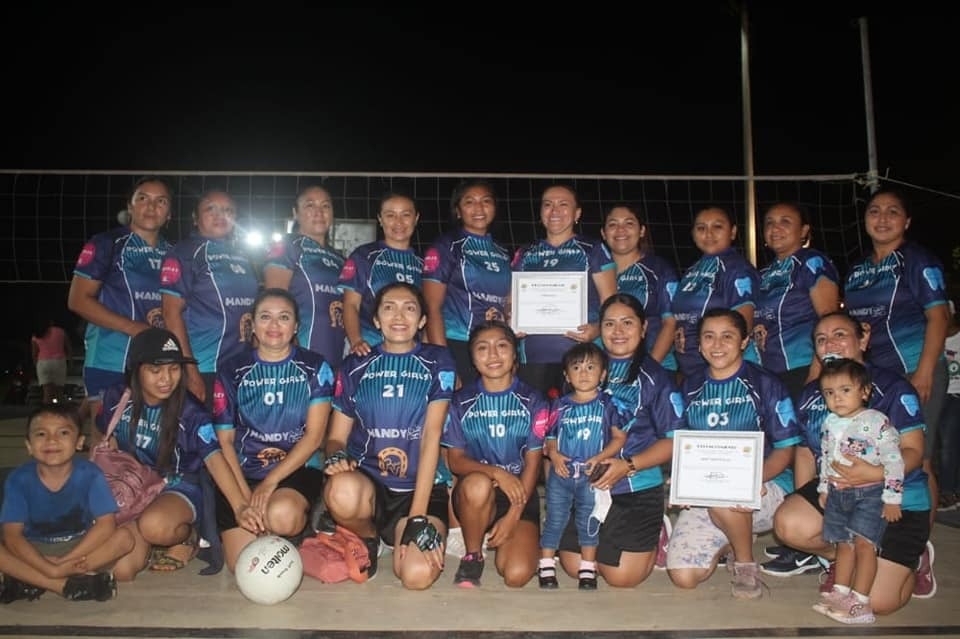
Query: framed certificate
pixel 717 468
pixel 548 303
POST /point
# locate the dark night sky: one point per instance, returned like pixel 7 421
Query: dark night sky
pixel 578 90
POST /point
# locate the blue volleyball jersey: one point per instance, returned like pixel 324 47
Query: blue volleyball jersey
pixel 53 516
pixel 725 280
pixel 893 396
pixel 576 254
pixel 657 407
pixel 266 403
pixel 582 430
pixel 653 281
pixel 128 270
pixel 314 284
pixel 784 317
pixel 891 296
pixel 196 439
pixel 752 399
pixel 476 272
pixel 386 395
pixel 371 267
pixel 497 428
pixel 218 284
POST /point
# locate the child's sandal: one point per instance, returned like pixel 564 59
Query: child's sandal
pixel 548 577
pixel 588 579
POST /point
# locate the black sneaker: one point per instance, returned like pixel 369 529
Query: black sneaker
pixel 548 578
pixel 373 549
pixel 100 586
pixel 12 589
pixel 792 562
pixel 469 571
pixel 587 579
pixel 775 551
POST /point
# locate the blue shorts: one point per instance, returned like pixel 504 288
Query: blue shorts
pixel 190 493
pixel 97 380
pixel 854 511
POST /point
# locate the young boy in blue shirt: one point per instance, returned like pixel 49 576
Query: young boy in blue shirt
pixel 59 531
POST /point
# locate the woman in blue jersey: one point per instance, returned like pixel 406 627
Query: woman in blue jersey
pixel 307 266
pixel 647 277
pixel 799 520
pixel 116 285
pixel 633 526
pixel 372 266
pixel 800 285
pixel 466 275
pixel 271 413
pixel 899 289
pixel 721 278
pixel 383 444
pixel 563 250
pixel 208 287
pixel 735 395
pixel 164 426
pixel 494 438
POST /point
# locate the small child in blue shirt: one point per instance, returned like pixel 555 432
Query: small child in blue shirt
pixel 58 517
pixel 589 427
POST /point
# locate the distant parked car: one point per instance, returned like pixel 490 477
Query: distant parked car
pixel 73 388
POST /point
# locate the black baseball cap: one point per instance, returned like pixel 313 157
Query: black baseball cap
pixel 156 346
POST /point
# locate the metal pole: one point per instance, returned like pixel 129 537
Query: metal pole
pixel 751 230
pixel 872 173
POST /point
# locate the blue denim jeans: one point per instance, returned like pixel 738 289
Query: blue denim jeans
pixel 854 511
pixel 950 446
pixel 562 494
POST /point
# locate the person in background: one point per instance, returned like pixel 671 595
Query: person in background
pixel 899 290
pixel 494 441
pixel 563 250
pixel 855 516
pixel 466 275
pixel 307 266
pixel 732 394
pixel 271 424
pixel 721 278
pixel 798 522
pixel 208 288
pixel 800 285
pixel 950 421
pixel 116 286
pixel 647 277
pixel 372 266
pixel 58 520
pixel 50 347
pixel 383 445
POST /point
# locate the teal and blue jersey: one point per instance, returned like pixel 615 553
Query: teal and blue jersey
pixel 752 399
pixel 653 281
pixel 579 253
pixel 369 268
pixel 218 285
pixel 497 428
pixel 784 316
pixel 582 430
pixel 387 395
pixel 476 271
pixel 725 280
pixel 892 296
pixel 266 404
pixel 128 270
pixel 893 396
pixel 657 406
pixel 196 439
pixel 314 284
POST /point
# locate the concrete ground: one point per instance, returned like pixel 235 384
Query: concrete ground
pixel 185 604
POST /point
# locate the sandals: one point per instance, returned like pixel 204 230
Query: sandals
pixel 162 561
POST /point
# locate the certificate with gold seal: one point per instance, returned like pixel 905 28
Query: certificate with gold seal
pixel 547 302
pixel 717 468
